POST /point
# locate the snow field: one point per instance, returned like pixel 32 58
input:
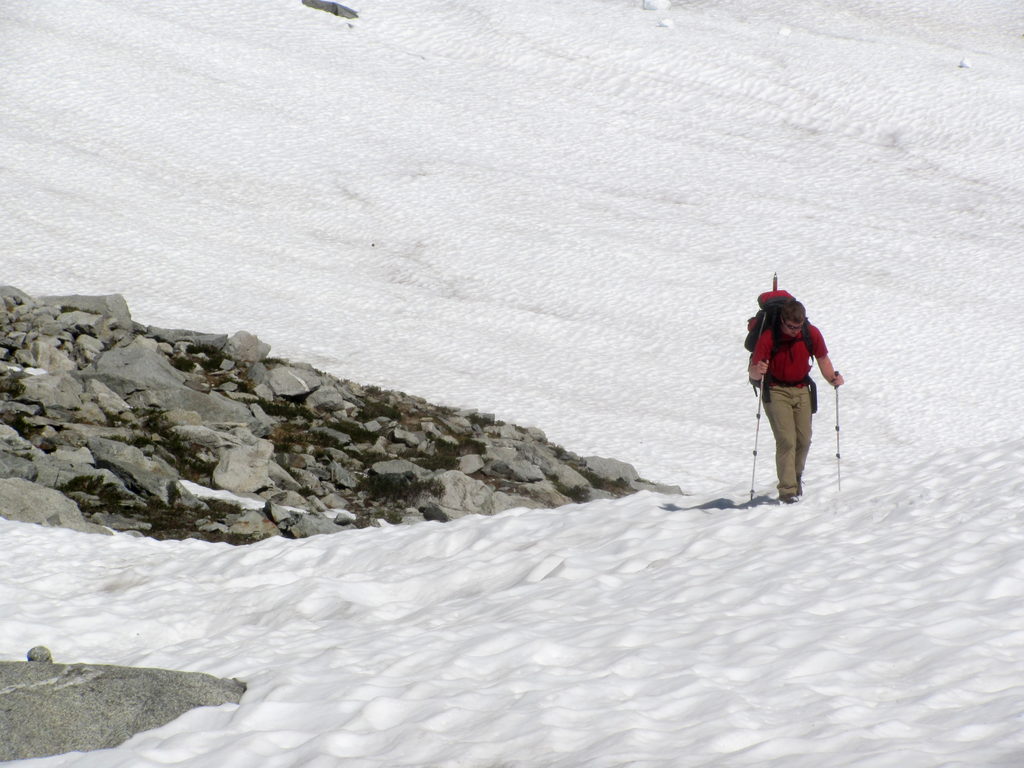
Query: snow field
pixel 561 213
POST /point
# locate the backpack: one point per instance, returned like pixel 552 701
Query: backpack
pixel 768 316
pixel 769 303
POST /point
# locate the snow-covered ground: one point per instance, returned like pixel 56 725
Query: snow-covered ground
pixel 560 212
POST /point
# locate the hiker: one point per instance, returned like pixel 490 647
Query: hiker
pixel 783 366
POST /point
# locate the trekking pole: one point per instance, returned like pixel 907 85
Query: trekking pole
pixel 839 471
pixel 760 394
pixel 757 433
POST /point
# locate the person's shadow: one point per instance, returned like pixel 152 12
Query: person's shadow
pixel 722 503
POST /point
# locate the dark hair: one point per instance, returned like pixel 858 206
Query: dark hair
pixel 793 312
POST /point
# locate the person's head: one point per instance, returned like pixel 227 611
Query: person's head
pixel 793 315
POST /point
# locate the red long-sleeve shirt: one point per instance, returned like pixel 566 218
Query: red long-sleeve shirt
pixel 792 360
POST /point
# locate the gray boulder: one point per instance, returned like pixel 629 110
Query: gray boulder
pixel 525 472
pixel 139 365
pixel 11 406
pixel 107 399
pixel 16 466
pixel 401 467
pixel 201 435
pixel 335 8
pixel 49 709
pixel 543 493
pixel 138 471
pixel 341 438
pixel 280 477
pixel 45 354
pixel 340 476
pixel 80 322
pixel 329 399
pixel 27 502
pixel 288 381
pixel 246 348
pixel 211 406
pixel 569 477
pixel 462 495
pixel 303 526
pixel 88 348
pixel 541 456
pixel 404 436
pixel 174 335
pixel 19 296
pixel 503 501
pixel 63 391
pixel 55 472
pixel 113 305
pixel 611 469
pixel 10 440
pixel 471 463
pixel 245 466
pixel 254 524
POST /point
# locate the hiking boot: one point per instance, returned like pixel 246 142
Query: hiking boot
pixel 789 498
pixel 799 486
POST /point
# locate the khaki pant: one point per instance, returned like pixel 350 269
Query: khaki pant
pixel 789 413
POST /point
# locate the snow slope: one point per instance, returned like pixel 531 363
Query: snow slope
pixel 885 631
pixel 560 212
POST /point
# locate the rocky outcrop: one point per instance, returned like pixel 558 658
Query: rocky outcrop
pixel 49 709
pixel 335 8
pixel 176 433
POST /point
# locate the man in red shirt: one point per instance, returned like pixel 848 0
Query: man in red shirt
pixel 783 366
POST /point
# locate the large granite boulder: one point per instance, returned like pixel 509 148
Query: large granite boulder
pixel 29 502
pixel 139 365
pixel 245 466
pixel 49 709
pixel 245 347
pixel 111 305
